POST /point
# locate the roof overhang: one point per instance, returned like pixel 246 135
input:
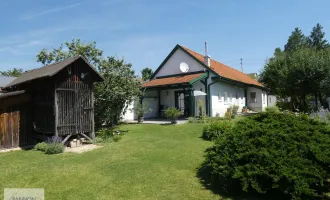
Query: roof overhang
pixel 175 80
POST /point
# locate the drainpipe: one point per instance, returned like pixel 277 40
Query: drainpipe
pixel 209 97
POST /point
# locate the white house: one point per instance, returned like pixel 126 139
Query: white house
pixel 185 77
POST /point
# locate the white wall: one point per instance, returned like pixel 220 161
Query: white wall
pixel 172 66
pixel 271 100
pixel 129 114
pixel 151 100
pixel 219 106
pixel 261 97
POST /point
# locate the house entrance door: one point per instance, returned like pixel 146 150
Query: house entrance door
pixel 182 102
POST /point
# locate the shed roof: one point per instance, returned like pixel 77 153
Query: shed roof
pixel 48 71
pixel 5 80
pixel 179 79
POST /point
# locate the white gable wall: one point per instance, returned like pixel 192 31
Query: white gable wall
pixel 172 66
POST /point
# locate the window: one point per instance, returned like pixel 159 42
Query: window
pixel 225 97
pixel 253 97
pixel 219 98
pixel 230 97
pixel 270 100
pixel 265 98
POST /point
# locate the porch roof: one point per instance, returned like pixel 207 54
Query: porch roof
pixel 175 80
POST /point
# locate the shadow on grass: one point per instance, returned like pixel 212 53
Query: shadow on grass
pixel 235 193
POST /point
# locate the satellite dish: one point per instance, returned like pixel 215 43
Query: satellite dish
pixel 184 67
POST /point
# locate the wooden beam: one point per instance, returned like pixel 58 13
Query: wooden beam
pixel 66 139
pixel 83 134
pixel 92 115
pixel 56 113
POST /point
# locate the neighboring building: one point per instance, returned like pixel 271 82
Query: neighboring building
pixel 185 77
pixel 5 80
pixel 272 100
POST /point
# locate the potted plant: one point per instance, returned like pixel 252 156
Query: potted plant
pixel 173 114
pixel 140 110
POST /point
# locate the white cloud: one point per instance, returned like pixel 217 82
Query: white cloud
pixel 53 10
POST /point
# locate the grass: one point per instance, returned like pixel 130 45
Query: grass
pixel 150 162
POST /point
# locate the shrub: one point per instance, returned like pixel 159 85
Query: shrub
pixel 213 130
pixel 200 108
pixel 55 148
pixel 42 146
pixel 98 140
pixel 274 109
pixel 172 113
pixel 204 119
pixel 107 135
pixel 234 111
pixel 272 152
pixel 116 138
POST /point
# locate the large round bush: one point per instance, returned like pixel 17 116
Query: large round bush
pixel 272 152
pixel 214 129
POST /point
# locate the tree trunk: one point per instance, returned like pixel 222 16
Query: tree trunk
pixel 320 98
pixel 315 96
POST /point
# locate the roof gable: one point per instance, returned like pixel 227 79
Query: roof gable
pixel 49 71
pixel 216 67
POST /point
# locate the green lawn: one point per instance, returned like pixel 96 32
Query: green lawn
pixel 150 162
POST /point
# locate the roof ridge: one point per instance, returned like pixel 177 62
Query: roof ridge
pixel 213 60
pixel 55 63
pixel 192 52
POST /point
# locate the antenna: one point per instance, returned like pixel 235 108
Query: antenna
pixel 241 64
pixel 205 48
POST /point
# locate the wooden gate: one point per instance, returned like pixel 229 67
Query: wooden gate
pixel 74 109
pixel 9 129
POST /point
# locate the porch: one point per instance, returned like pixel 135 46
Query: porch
pixel 182 91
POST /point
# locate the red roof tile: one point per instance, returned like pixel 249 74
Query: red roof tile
pixel 171 80
pixel 224 70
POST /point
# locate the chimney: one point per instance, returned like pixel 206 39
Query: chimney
pixel 207 58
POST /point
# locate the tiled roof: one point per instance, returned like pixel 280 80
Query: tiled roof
pixel 224 70
pixel 181 79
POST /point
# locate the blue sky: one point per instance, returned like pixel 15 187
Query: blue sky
pixel 145 31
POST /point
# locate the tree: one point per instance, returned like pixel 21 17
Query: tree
pixel 298 75
pixel 316 39
pixel 296 40
pixel 74 48
pixel 14 72
pixel 120 84
pixel 118 90
pixel 146 73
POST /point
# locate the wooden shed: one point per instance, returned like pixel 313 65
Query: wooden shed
pixel 60 100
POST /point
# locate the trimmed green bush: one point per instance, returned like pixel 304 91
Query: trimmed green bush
pixel 274 109
pixel 42 146
pixel 272 152
pixel 55 148
pixel 204 119
pixel 213 130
